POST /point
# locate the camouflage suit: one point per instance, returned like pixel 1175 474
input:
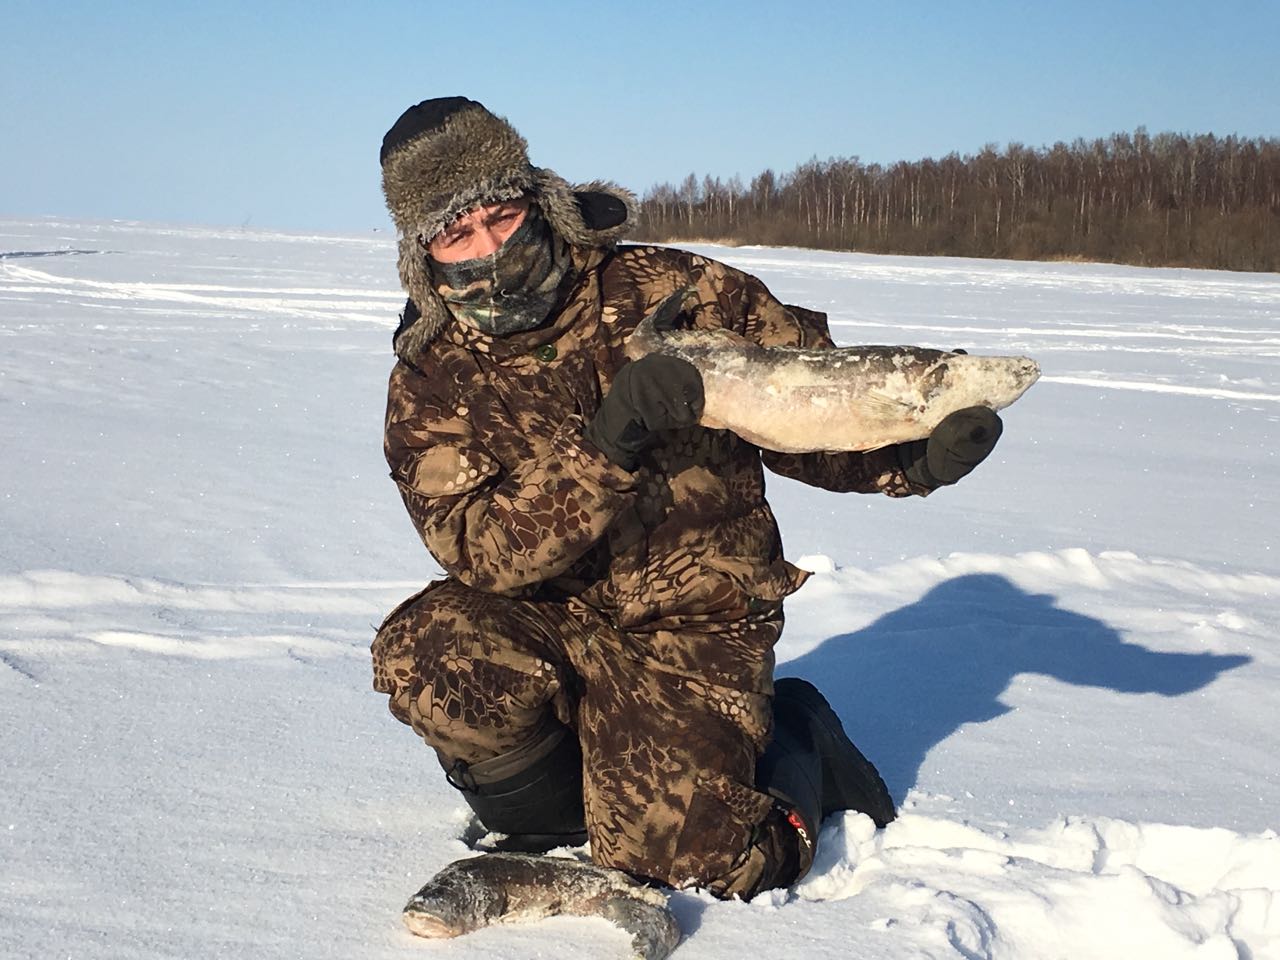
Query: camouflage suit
pixel 640 609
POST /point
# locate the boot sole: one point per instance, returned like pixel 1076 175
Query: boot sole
pixel 849 780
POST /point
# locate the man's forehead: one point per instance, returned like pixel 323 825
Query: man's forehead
pixel 496 206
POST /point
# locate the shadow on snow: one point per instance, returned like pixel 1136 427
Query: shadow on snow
pixel 908 681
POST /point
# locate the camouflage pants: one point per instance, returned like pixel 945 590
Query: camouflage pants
pixel 669 760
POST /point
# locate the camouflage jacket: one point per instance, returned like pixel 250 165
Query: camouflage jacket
pixel 484 436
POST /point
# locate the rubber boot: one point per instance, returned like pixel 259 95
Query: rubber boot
pixel 533 793
pixel 849 781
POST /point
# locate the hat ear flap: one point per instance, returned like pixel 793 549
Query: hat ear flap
pixel 600 210
pixel 591 214
pixel 414 335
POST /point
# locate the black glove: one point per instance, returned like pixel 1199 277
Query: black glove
pixel 958 444
pixel 654 393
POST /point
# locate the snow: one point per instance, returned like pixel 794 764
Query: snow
pixel 1065 666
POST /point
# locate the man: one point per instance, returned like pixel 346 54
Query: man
pixel 601 652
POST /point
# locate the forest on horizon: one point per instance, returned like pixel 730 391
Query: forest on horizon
pixel 1165 200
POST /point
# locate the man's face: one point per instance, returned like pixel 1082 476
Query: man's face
pixel 479 232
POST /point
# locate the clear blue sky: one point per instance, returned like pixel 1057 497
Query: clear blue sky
pixel 272 113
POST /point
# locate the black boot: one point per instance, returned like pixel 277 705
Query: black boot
pixel 812 769
pixel 789 770
pixel 533 793
pixel 849 781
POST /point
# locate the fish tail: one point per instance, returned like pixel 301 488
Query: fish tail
pixel 654 931
pixel 651 331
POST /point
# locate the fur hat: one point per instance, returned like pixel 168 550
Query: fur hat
pixel 446 156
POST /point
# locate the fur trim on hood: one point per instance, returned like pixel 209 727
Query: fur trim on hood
pixel 444 157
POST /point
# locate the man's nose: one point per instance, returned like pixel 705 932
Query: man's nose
pixel 488 239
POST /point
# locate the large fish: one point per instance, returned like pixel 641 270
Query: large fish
pixel 497 887
pixel 795 400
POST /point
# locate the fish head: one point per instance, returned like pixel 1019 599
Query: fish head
pixel 958 380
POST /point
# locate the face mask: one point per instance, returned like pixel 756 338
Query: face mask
pixel 512 290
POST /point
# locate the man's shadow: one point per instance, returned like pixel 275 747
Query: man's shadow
pixel 908 681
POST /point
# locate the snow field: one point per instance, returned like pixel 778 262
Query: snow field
pixel 1105 887
pixel 1065 666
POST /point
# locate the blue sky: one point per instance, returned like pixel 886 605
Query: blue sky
pixel 271 114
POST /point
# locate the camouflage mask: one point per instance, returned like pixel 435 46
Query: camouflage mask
pixel 512 290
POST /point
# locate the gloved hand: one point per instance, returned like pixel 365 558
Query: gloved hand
pixel 648 395
pixel 958 444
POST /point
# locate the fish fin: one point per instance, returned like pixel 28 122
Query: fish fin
pixel 873 399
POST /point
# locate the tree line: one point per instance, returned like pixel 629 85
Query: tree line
pixel 1167 200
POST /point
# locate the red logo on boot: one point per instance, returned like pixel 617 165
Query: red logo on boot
pixel 796 821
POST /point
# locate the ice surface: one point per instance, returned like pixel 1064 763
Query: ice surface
pixel 1065 666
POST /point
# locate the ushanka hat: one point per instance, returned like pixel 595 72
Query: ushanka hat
pixel 449 155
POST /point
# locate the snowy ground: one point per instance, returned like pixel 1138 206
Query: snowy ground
pixel 1066 666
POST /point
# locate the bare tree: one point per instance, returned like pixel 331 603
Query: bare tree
pixel 1199 200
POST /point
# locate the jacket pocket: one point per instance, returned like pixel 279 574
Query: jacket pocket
pixel 760 581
